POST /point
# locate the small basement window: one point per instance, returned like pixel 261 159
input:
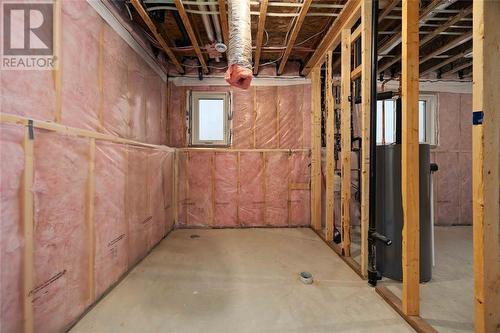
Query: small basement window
pixel 209 121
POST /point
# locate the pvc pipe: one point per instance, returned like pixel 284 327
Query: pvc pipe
pixel 206 22
pixel 215 20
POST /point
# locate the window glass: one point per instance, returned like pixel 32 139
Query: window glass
pixel 422 124
pixel 211 119
pixel 388 115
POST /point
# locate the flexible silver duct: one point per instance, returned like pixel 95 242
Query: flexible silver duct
pixel 240 36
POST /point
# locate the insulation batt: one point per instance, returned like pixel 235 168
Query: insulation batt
pixel 103 89
pixel 239 72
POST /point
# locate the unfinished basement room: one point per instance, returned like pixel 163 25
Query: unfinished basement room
pixel 250 166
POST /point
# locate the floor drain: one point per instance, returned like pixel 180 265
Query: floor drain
pixel 195 236
pixel 306 277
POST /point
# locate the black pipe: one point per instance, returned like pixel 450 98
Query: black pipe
pixel 373 276
pixel 399 120
pixel 380 96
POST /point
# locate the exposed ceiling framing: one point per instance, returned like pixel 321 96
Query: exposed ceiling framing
pixel 301 31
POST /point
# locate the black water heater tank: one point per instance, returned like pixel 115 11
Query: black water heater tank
pixel 389 212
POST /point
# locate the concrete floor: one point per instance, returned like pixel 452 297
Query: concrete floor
pixel 447 301
pixel 242 280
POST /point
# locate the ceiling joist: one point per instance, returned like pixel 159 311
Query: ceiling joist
pixel 260 35
pixel 152 27
pixel 295 32
pixel 191 34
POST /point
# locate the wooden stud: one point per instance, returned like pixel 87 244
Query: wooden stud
pixel 175 185
pixel 316 148
pixel 223 21
pixel 299 186
pixel 214 166
pixel 346 142
pixel 57 71
pixel 289 190
pixel 293 36
pixel 90 216
pixel 486 165
pixel 356 73
pixel 260 34
pixel 410 158
pixel 152 27
pixel 264 183
pixel 28 228
pixel 192 37
pixel 347 17
pixel 238 189
pixel 72 131
pixel 330 146
pixel 366 60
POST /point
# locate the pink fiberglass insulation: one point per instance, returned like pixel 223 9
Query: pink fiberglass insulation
pixel 266 123
pixel 137 98
pixel 155 110
pixel 243 118
pixel 157 159
pixel 138 204
pixel 61 255
pixel 276 187
pixel 290 105
pixel 182 188
pixel 306 111
pixel 226 185
pixel 167 169
pixel 176 116
pixel 80 65
pixel 114 108
pixel 199 210
pixel 11 233
pixel 111 259
pixel 251 212
pixel 300 199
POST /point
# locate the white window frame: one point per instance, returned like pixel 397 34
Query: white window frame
pixel 194 111
pixel 431 117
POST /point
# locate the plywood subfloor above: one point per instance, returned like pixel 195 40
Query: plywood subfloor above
pixel 242 280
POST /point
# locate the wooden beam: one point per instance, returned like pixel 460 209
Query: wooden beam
pixel 410 158
pixel 424 15
pixel 463 13
pixel 448 46
pixel 192 37
pixel 457 68
pixel 387 10
pixel 90 217
pixel 152 27
pixel 293 36
pixel 366 61
pixel 28 227
pixel 347 17
pixel 356 72
pixel 330 146
pixel 316 148
pixel 223 21
pixel 417 323
pixel 345 138
pixel 446 62
pixel 260 34
pixel 486 165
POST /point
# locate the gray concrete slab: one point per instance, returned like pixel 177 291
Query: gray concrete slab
pixel 242 280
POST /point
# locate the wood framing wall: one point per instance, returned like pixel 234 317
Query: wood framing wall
pixel 486 164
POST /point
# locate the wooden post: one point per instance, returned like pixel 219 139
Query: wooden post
pixel 28 226
pixel 316 148
pixel 346 141
pixel 90 220
pixel 366 32
pixel 410 158
pixel 485 165
pixel 330 144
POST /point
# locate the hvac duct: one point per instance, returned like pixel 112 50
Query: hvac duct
pixel 239 72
